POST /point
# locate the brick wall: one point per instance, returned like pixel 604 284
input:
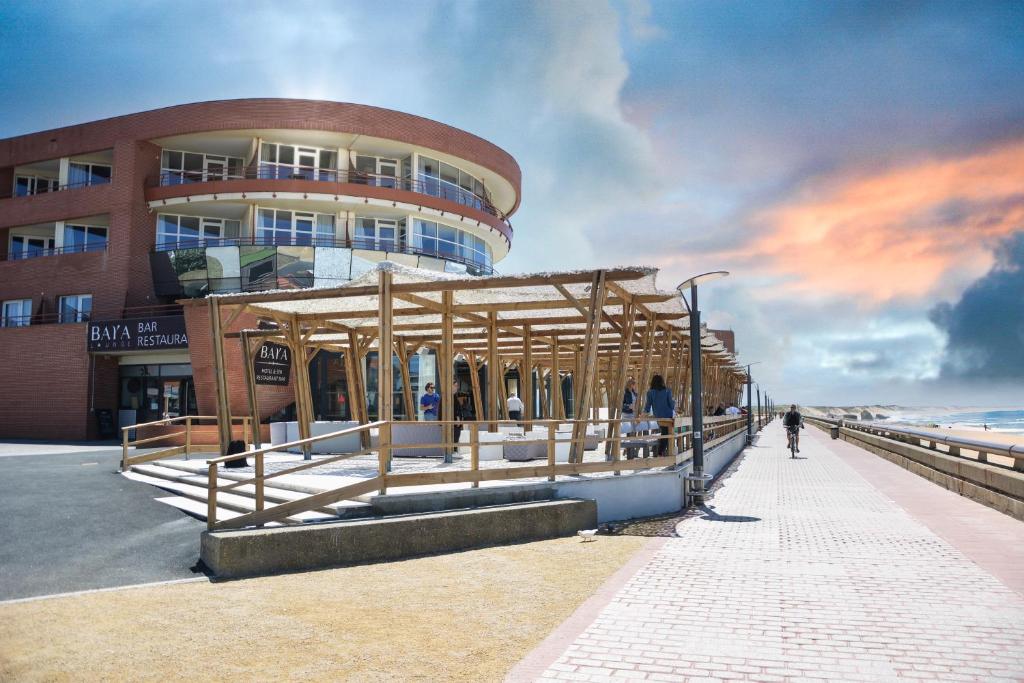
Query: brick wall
pixel 50 385
pixel 200 345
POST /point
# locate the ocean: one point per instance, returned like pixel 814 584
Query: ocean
pixel 1005 420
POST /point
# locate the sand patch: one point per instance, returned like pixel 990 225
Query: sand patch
pixel 466 616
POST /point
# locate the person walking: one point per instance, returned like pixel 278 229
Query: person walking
pixel 515 407
pixel 662 406
pixel 430 402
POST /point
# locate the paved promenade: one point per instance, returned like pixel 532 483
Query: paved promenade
pixel 836 566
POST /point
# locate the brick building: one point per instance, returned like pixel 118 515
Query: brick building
pixel 112 232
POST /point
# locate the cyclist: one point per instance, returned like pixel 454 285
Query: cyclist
pixel 793 421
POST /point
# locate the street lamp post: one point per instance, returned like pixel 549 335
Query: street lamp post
pixel 750 406
pixel 696 401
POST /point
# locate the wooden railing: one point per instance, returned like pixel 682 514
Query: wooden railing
pixel 187 421
pixel 950 445
pixel 679 443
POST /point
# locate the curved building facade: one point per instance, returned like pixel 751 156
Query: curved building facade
pixel 104 226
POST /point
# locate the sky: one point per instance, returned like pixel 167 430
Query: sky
pixel 858 167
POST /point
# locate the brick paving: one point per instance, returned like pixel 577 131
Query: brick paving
pixel 802 570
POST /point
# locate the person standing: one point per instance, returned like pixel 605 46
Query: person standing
pixel 662 406
pixel 515 407
pixel 463 411
pixel 629 406
pixel 430 402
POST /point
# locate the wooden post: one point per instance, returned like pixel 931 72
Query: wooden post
pixel 250 385
pixel 557 406
pixel 447 360
pixel 551 451
pixel 526 376
pixel 593 336
pixel 188 436
pixel 220 377
pixel 299 378
pixel 211 495
pixel 259 481
pixel 356 386
pixel 385 411
pixel 474 381
pixel 493 372
pixel 124 449
pixel 618 389
pixel 474 454
pixel 403 358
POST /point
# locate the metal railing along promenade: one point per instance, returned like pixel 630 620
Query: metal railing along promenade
pixel 935 440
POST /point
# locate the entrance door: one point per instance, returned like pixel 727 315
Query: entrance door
pixel 387 172
pixel 306 159
pixel 215 168
pixel 304 226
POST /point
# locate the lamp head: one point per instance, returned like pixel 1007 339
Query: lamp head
pixel 702 278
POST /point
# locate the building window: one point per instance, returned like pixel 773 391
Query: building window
pixel 379 234
pixel 81 174
pixel 25 185
pixel 84 238
pixel 29 246
pixel 279 161
pixel 193 231
pixel 276 226
pixel 16 313
pixel 444 241
pixel 177 167
pixel 378 171
pixel 75 308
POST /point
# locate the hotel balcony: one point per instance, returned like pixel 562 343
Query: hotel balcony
pixel 266 176
pixel 191 268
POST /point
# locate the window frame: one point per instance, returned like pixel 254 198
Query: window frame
pixel 85 247
pixel 90 165
pixel 22 319
pixel 203 232
pixel 82 315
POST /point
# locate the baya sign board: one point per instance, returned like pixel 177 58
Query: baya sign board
pixel 138 334
pixel 273 364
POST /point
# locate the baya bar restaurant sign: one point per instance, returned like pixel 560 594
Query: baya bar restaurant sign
pixel 138 334
pixel 273 364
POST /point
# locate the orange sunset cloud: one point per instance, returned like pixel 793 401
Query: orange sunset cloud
pixel 903 233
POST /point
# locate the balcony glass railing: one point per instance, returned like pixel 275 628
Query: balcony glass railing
pixel 425 184
pixel 194 269
pixel 33 252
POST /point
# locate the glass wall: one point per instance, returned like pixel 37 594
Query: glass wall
pixel 84 238
pixel 439 179
pixel 278 226
pixel 174 231
pixel 448 242
pixel 179 167
pixel 81 174
pixel 282 161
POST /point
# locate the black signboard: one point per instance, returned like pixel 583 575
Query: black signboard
pixel 105 423
pixel 273 364
pixel 138 334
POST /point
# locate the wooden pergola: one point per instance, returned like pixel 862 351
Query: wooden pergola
pixel 601 327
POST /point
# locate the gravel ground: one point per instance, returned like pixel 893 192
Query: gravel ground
pixel 466 616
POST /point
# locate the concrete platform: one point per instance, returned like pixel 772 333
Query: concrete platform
pixel 253 552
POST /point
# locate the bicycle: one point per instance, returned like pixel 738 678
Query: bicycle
pixel 791 435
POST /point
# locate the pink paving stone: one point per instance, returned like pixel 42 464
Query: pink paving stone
pixel 843 562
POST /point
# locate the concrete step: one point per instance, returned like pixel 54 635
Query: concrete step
pixel 271 493
pixel 198 510
pixel 357 507
pixel 228 501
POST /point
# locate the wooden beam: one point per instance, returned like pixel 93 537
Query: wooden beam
pixel 597 297
pixel 250 385
pixel 385 409
pixel 220 377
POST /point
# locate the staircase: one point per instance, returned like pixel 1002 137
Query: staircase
pixel 189 484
